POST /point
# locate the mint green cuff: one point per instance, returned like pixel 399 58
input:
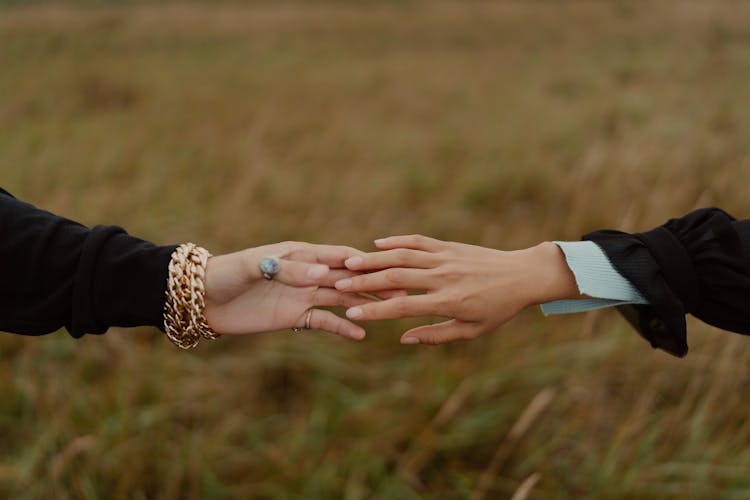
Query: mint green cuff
pixel 595 277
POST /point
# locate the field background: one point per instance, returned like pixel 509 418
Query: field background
pixel 495 123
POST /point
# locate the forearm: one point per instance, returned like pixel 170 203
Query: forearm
pixel 59 273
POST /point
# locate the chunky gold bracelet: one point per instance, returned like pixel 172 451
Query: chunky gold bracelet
pixel 184 320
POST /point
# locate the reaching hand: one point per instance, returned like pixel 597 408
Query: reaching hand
pixel 478 288
pixel 239 300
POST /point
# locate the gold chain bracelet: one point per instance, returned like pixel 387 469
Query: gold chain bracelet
pixel 184 320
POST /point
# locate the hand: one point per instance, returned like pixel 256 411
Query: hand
pixel 478 288
pixel 239 300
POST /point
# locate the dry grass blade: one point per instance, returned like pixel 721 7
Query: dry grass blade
pixel 522 493
pixel 77 446
pixel 504 449
pixel 423 447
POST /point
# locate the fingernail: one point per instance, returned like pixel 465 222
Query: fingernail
pixel 353 262
pixel 410 340
pixel 317 271
pixel 358 335
pixel 354 312
pixel 379 241
pixel 343 284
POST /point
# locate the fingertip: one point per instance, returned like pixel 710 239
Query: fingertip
pixel 354 312
pixel 381 242
pixel 358 334
pixel 410 340
pixel 354 262
pixel 344 284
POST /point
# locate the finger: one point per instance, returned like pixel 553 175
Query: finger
pixel 441 333
pixel 399 257
pixel 333 297
pixel 399 307
pixel 335 275
pixel 389 294
pixel 321 319
pixel 388 279
pixel 330 255
pixel 297 273
pixel 292 272
pixel 415 241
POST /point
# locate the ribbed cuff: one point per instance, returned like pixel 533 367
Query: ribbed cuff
pixel 596 277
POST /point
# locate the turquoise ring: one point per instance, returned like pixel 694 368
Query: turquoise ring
pixel 269 267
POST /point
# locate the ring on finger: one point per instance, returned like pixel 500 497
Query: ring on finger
pixel 269 267
pixel 308 317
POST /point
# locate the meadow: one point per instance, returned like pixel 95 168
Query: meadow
pixel 495 123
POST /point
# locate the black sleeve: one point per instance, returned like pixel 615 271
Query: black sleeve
pixel 697 264
pixel 57 273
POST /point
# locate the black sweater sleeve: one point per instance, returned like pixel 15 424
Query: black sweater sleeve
pixel 58 273
pixel 698 264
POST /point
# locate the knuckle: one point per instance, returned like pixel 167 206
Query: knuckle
pixel 338 328
pixel 413 239
pixel 430 340
pixel 401 254
pixel 321 321
pixel 447 272
pixel 358 283
pixel 445 302
pixel 411 258
pixel 394 276
pixel 462 299
pixel 400 307
pixel 368 261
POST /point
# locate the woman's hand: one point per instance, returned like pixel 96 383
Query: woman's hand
pixel 239 300
pixel 478 288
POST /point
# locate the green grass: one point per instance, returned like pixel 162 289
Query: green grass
pixel 500 124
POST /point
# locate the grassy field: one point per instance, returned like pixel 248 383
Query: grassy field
pixel 496 123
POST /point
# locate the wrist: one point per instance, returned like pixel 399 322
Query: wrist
pixel 550 275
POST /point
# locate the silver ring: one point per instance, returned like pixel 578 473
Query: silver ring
pixel 269 267
pixel 308 317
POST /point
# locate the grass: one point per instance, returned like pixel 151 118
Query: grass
pixel 501 124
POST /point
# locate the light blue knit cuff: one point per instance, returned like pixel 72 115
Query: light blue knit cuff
pixel 595 277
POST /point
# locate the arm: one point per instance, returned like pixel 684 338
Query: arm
pixel 58 273
pixel 697 264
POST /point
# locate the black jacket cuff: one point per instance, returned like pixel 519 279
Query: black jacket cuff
pixel 120 281
pixel 696 264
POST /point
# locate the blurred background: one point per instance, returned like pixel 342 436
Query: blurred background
pixel 494 123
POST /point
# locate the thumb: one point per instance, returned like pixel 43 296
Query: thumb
pixel 441 333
